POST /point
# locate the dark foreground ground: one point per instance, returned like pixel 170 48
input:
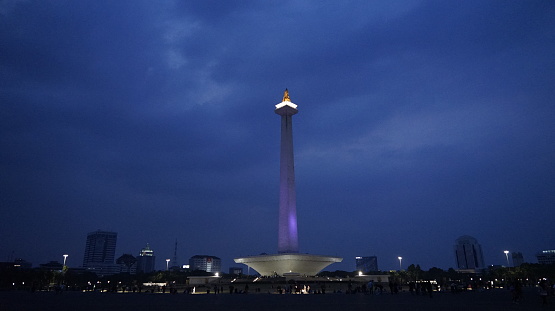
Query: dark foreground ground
pixel 498 299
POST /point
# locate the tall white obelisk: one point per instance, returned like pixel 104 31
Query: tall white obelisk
pixel 288 241
pixel 288 262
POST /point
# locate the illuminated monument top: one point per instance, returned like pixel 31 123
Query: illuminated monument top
pixel 288 241
pixel 288 261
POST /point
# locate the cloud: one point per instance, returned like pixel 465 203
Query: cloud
pixel 175 59
pixel 133 115
pixel 7 6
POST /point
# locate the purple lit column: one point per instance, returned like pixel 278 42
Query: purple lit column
pixel 288 241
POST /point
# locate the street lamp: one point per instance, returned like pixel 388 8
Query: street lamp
pixel 65 257
pixel 507 255
pixel 167 264
pixel 400 260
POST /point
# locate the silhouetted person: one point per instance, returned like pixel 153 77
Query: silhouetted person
pixel 543 291
pixel 429 288
pixel 396 287
pixel 412 286
pixel 516 291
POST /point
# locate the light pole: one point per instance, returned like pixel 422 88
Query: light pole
pixel 167 264
pixel 65 257
pixel 400 260
pixel 507 255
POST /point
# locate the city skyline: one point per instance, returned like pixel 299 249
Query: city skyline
pixel 531 258
pixel 421 121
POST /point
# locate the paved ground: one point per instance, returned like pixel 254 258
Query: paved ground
pixel 498 299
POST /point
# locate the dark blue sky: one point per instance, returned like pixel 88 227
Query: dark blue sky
pixel 419 122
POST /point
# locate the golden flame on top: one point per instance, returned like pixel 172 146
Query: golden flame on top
pixel 286 96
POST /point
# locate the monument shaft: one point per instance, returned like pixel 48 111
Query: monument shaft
pixel 288 241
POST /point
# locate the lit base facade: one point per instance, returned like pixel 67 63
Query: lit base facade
pixel 285 264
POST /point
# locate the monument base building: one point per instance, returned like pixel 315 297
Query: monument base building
pixel 288 264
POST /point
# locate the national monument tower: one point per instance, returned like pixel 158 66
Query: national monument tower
pixel 288 261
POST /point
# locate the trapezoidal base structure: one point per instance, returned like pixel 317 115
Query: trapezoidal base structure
pixel 286 264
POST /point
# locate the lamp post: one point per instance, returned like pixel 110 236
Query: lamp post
pixel 167 264
pixel 65 257
pixel 400 260
pixel 507 255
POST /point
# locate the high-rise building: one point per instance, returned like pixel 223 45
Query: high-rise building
pixel 546 257
pixel 366 264
pixel 468 253
pixel 100 251
pixel 518 259
pixel 205 263
pixel 146 260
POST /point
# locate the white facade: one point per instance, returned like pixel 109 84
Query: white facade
pixel 283 264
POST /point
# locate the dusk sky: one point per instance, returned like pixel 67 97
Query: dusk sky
pixel 419 122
